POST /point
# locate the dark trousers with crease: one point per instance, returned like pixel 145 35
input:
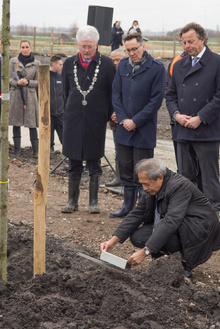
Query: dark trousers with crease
pixel 76 167
pixel 128 156
pixel 199 162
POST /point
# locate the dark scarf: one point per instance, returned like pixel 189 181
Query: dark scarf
pixel 136 66
pixel 26 59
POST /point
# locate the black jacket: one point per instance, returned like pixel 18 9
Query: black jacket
pixel 183 208
pixel 56 94
pixel 84 127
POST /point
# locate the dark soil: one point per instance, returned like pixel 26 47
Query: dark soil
pixel 78 293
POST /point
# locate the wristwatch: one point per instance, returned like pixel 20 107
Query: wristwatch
pixel 147 251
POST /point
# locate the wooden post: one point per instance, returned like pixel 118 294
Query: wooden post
pixel 34 39
pixel 40 193
pixel 51 47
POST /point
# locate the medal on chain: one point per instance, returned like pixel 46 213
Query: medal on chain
pixel 94 79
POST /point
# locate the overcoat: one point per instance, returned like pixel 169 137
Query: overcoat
pixel 196 91
pixel 85 126
pixel 138 97
pixel 18 116
pixel 183 209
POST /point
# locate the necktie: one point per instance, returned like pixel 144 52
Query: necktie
pixel 194 61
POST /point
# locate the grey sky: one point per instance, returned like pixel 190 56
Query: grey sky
pixel 156 15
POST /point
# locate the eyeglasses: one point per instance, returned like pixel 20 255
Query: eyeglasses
pixel 87 47
pixel 132 49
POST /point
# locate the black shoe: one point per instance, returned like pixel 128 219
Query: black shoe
pixel 187 272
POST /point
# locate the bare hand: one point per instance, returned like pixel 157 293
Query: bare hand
pixel 137 258
pixel 193 122
pixel 109 245
pixel 113 117
pixel 182 119
pixel 22 82
pixel 129 124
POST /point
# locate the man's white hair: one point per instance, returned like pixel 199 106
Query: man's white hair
pixel 88 33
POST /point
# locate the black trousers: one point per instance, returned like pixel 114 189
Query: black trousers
pixel 32 132
pixel 199 162
pixel 140 237
pixel 93 166
pixel 56 125
pixel 128 156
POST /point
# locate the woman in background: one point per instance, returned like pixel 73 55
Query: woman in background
pixel 23 109
pixel 117 33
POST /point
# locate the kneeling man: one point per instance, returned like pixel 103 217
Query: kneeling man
pixel 172 215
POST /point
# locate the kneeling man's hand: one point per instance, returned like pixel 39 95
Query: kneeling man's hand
pixel 137 258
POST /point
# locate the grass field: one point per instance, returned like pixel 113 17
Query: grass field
pixel 158 49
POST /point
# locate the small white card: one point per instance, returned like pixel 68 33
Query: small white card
pixel 114 260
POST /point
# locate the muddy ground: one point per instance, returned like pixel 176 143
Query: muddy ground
pixel 76 293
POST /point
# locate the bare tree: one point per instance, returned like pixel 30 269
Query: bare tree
pixel 4 138
pixel 22 29
pixel 73 29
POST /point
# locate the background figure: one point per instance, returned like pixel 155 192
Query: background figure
pixel 23 108
pixel 117 33
pixel 134 28
pixel 137 94
pixel 56 98
pixel 193 101
pixel 87 81
pixel 116 56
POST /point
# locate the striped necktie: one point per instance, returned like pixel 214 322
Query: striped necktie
pixel 194 60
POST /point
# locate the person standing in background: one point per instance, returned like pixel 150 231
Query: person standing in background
pixel 23 108
pixel 117 33
pixel 56 98
pixel 134 28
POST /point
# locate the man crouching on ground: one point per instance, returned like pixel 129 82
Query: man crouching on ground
pixel 172 215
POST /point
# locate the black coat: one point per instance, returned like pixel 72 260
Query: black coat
pixel 56 94
pixel 85 126
pixel 196 91
pixel 182 208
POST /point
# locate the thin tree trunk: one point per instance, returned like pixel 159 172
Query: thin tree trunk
pixel 4 138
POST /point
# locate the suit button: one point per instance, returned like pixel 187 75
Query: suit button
pixel 129 98
pixel 181 99
pixel 194 99
pixel 184 85
pixel 196 84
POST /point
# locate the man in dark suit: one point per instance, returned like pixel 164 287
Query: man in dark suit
pixel 193 101
pixel 137 94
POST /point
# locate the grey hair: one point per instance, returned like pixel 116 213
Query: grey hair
pixel 153 168
pixel 118 50
pixel 88 33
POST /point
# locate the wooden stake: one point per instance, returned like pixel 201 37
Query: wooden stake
pixel 40 193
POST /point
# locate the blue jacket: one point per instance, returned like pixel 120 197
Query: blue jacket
pixel 196 91
pixel 138 97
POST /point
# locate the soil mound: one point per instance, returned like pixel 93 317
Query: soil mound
pixel 76 293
